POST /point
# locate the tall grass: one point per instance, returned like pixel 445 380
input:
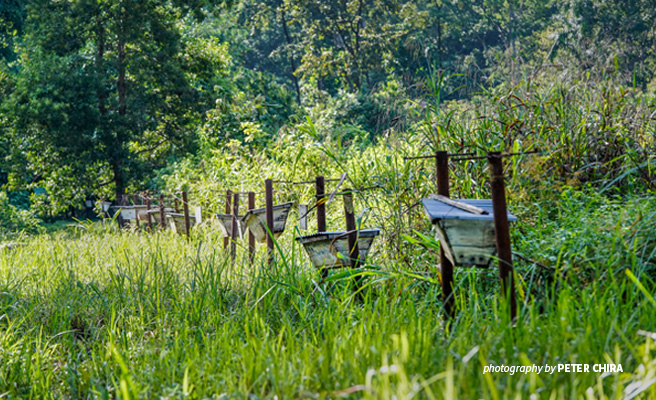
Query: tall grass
pixel 91 312
pixel 95 313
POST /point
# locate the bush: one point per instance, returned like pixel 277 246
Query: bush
pixel 13 220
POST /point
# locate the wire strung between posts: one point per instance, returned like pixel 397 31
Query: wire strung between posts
pixel 358 190
pixel 485 157
pixel 433 156
pixel 305 182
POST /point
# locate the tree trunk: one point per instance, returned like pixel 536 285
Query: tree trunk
pixel 119 182
pixel 291 55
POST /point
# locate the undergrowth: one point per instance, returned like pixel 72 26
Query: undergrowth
pixel 91 312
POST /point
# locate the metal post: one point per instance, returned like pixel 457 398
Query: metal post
pixel 162 217
pixel 251 237
pixel 226 240
pixel 185 207
pixel 235 226
pixel 446 267
pixel 268 192
pixel 321 209
pixel 501 230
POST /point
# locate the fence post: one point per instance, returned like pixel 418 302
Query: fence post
pixel 162 217
pixel 235 226
pixel 354 251
pixel 446 267
pixel 149 222
pixel 268 189
pixel 502 230
pixel 226 239
pixel 321 209
pixel 251 237
pixel 185 208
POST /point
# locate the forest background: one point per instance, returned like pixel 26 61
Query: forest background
pixel 99 98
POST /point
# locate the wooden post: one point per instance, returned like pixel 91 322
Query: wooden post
pixel 136 212
pixel 235 226
pixel 176 205
pixel 321 209
pixel 162 217
pixel 149 222
pixel 354 251
pixel 268 193
pixel 446 267
pixel 185 207
pixel 502 230
pixel 251 237
pixel 349 214
pixel 226 240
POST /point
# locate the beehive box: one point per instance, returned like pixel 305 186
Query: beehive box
pixel 467 238
pixel 177 222
pixel 323 248
pixel 255 220
pixel 225 225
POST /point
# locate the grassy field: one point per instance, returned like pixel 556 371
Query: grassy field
pixel 90 312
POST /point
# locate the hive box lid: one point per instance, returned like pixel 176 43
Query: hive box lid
pixel 436 210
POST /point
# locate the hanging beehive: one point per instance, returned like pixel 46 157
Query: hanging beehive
pixel 127 213
pixel 328 250
pixel 255 220
pixel 225 225
pixel 156 216
pixel 177 222
pixel 467 235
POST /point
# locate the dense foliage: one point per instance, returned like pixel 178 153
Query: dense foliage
pixel 96 95
pixel 104 97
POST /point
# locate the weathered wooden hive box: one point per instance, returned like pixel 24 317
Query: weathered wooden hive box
pixel 255 220
pixel 323 247
pixel 225 225
pixel 468 238
pixel 105 205
pixel 155 214
pixel 131 213
pixel 177 222
pixel 128 213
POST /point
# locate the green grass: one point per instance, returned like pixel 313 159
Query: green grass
pixel 90 312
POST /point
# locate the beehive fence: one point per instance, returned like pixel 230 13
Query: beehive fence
pixel 442 159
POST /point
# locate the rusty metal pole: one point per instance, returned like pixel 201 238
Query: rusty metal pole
pixel 321 209
pixel 251 237
pixel 149 222
pixel 502 230
pixel 226 240
pixel 235 226
pixel 185 208
pixel 162 217
pixel 268 192
pixel 446 267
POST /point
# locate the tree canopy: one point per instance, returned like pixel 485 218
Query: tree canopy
pixel 98 94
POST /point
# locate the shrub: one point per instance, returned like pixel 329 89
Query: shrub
pixel 13 220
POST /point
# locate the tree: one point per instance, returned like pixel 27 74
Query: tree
pixel 109 90
pixel 12 15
